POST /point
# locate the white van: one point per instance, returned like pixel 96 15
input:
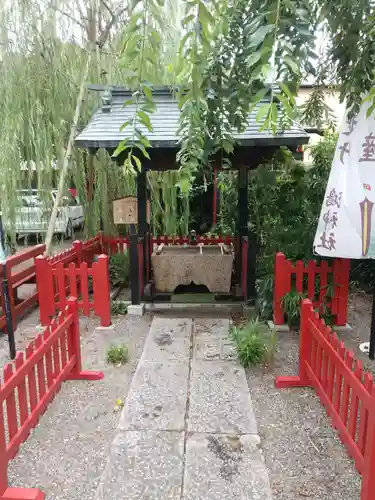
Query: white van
pixel 34 211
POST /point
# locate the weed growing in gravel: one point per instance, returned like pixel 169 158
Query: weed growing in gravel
pixel 119 307
pixel 253 343
pixel 118 354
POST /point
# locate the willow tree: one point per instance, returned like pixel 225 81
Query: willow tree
pixel 224 56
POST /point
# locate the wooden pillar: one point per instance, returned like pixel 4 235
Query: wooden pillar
pixel 134 269
pixel 242 231
pixel 216 200
pixel 242 204
pixel 242 216
pixel 143 226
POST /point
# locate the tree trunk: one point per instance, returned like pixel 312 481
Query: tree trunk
pixel 67 156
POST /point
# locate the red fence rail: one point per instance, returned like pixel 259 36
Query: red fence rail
pixel 32 383
pixel 20 269
pixel 305 278
pixel 344 388
pixel 56 283
pixel 81 251
pixel 111 245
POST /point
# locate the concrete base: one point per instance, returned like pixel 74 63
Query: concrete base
pixel 105 328
pixel 278 328
pixel 342 329
pixel 136 310
pixel 228 308
pixel 285 328
pixel 249 311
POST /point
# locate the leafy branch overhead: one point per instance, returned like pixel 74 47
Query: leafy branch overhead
pixel 141 47
pixel 239 55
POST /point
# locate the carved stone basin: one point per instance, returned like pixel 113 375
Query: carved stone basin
pixel 209 265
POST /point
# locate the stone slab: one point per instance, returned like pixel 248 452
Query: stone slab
pixel 219 399
pixel 157 397
pixel 144 465
pixel 167 349
pixel 220 467
pixel 175 327
pixel 211 328
pixel 136 310
pixel 220 349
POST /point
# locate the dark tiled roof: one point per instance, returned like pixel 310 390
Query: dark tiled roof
pixel 103 131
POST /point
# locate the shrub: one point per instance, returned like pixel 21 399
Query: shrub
pixel 119 269
pixel 119 307
pixel 253 343
pixel 118 355
pixel 291 304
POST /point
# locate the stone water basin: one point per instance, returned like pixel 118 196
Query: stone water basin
pixel 209 265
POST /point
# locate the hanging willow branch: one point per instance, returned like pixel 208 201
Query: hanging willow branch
pixel 67 156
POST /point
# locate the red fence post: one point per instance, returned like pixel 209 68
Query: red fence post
pixel 74 346
pixel 77 246
pixel 368 481
pixel 307 312
pixel 281 287
pixel 341 290
pixel 46 292
pixel 102 302
pixel 3 461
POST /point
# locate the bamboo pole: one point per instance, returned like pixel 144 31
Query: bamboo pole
pixel 67 156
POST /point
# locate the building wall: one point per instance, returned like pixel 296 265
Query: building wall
pixel 332 99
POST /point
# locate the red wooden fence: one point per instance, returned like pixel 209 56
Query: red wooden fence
pixel 56 283
pixel 81 251
pixel 111 245
pixel 344 388
pixel 20 269
pixel 31 384
pixel 337 272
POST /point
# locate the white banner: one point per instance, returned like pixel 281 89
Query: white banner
pixel 346 225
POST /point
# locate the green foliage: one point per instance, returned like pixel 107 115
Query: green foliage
pixel 351 28
pixel 118 354
pixel 264 288
pixel 119 264
pixel 291 304
pixel 119 307
pixel 315 112
pixel 253 342
pixel 234 53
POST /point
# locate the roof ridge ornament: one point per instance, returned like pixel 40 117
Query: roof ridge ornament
pixel 106 101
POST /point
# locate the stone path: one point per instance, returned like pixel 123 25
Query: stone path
pixel 187 430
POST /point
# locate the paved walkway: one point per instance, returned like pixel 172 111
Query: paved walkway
pixel 187 430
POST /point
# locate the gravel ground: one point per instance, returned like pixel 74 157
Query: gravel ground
pixel 303 453
pixel 26 331
pixel 67 452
